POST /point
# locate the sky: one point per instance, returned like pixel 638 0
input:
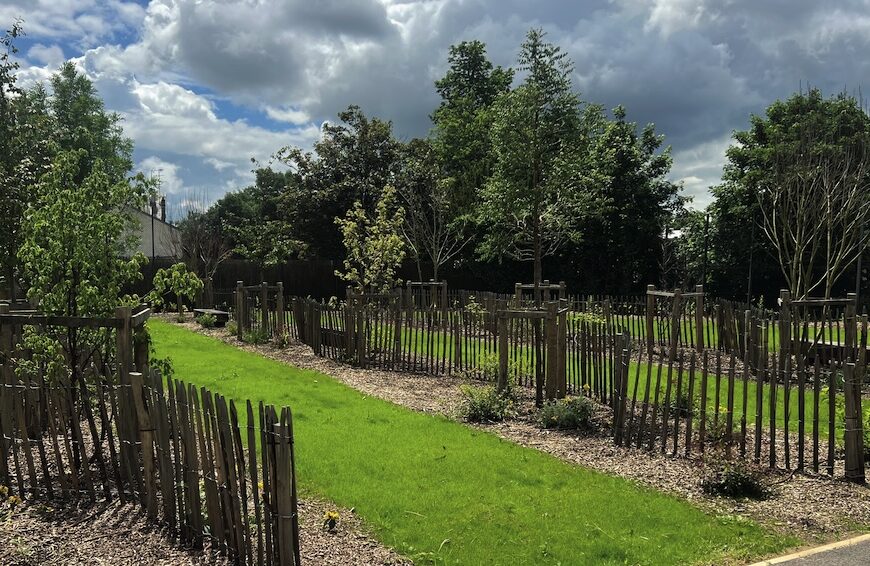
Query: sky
pixel 205 86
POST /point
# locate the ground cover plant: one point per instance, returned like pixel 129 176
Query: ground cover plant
pixel 444 493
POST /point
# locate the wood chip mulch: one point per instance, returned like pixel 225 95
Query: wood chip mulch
pixel 813 507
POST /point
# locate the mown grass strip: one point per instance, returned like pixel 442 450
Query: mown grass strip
pixel 441 492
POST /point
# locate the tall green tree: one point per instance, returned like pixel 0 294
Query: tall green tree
pixel 635 202
pixel 353 161
pixel 531 203
pixel 462 121
pixel 794 192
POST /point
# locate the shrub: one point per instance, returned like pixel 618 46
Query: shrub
pixel 716 428
pixel 732 478
pixel 679 405
pixel 567 413
pixel 258 336
pixel 283 340
pixel 232 327
pixel 485 404
pixel 206 320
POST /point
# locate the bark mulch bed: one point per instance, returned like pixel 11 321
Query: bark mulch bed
pixel 814 507
pixel 111 533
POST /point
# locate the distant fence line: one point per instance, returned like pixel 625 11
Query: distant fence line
pixel 182 453
pixel 782 391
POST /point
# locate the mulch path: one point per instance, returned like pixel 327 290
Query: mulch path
pixel 813 506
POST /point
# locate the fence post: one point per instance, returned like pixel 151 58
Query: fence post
pixel 264 309
pixel 6 346
pixel 621 379
pixel 854 438
pixel 146 433
pixel 562 367
pixel 502 351
pixel 286 536
pixel 699 318
pixel 675 325
pixel 279 309
pixel 240 309
pixel 551 345
pixel 650 313
pixel 208 298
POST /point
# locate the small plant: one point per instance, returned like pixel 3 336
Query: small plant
pixel 716 426
pixel 567 413
pixel 330 520
pixel 283 340
pixel 178 281
pixel 258 336
pixel 732 478
pixel 590 317
pixel 485 404
pixel 679 405
pixel 232 327
pixel 207 320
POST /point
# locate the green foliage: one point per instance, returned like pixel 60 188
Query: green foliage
pixel 175 280
pixel 734 478
pixel 538 190
pixel 375 248
pixel 283 340
pixel 568 413
pixel 354 160
pixel 589 317
pixel 484 404
pixel 232 328
pixel 206 320
pixel 840 416
pixel 73 251
pixel 256 336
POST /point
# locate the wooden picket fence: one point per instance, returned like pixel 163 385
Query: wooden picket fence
pixel 183 453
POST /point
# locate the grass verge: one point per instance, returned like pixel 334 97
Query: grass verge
pixel 444 493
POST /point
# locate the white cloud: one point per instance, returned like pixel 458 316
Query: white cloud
pixel 289 115
pixel 164 172
pixel 49 55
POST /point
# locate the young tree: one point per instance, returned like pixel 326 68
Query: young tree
pixel 435 224
pixel 74 248
pixel 531 203
pixel 204 245
pixel 178 281
pixel 374 244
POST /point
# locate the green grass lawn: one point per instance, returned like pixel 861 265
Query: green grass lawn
pixel 441 492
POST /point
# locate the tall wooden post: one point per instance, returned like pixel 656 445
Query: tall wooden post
pixel 208 299
pixel 699 318
pixel 854 435
pixel 6 346
pixel 675 324
pixel 562 348
pixel 240 309
pixel 264 309
pixel 552 354
pixel 146 433
pixel 279 309
pixel 650 314
pixel 518 294
pixel 502 351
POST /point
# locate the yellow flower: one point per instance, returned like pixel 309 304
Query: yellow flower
pixel 14 500
pixel 331 516
pixel 4 491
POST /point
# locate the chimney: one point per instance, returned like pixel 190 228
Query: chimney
pixel 163 209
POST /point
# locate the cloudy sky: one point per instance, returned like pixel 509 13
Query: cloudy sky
pixel 205 85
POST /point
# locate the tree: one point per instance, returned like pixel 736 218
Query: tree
pixel 83 123
pixel 178 281
pixel 435 224
pixel 462 121
pixel 634 202
pixel 797 180
pixel 353 161
pixel 204 245
pixel 254 222
pixel 74 248
pixel 374 244
pixel 531 202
